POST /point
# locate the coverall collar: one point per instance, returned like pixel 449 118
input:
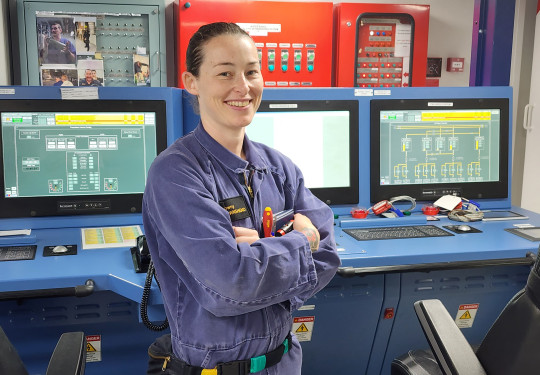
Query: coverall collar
pixel 230 160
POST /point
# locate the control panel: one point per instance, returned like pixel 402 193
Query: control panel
pixel 290 44
pixel 384 50
pixel 380 45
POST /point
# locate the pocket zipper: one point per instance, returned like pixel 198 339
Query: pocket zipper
pixel 166 360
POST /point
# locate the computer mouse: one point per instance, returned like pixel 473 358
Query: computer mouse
pixel 464 228
pixel 59 249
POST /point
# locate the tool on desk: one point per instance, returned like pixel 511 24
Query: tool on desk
pixel 268 222
pixel 359 213
pixel 285 229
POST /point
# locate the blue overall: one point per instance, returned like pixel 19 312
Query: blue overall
pixel 227 301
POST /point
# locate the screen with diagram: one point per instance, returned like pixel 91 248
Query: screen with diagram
pixel 320 137
pixel 65 154
pixel 453 147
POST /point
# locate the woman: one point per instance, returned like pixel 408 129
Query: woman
pixel 228 292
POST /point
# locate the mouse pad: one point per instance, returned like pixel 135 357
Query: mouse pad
pixel 48 251
pixel 454 228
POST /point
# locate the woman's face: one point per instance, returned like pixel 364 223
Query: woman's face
pixel 230 84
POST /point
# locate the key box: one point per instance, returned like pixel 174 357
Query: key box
pixel 99 44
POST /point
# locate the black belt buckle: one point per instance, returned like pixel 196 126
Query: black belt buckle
pixel 234 368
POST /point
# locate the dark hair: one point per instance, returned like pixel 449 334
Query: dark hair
pixel 194 52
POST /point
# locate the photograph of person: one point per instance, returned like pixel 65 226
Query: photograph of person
pixel 58 77
pixel 56 42
pixel 229 289
pixel 141 70
pixel 86 36
pixel 90 72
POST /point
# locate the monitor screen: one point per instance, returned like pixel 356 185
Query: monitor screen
pixel 321 138
pixel 429 148
pixel 73 157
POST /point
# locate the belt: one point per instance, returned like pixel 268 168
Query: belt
pixel 243 367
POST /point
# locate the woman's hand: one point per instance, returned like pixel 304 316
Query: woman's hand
pixel 304 225
pixel 245 235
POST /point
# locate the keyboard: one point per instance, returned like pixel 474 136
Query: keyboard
pixel 393 233
pixel 17 252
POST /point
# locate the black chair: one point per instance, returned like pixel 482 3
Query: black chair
pixel 511 346
pixel 68 358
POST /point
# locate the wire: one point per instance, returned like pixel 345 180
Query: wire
pixel 144 301
pixel 466 215
pixel 404 198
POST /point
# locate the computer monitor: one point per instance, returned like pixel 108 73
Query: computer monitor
pixel 321 138
pixel 72 157
pixel 427 148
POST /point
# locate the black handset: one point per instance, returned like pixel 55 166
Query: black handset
pixel 142 261
pixel 141 255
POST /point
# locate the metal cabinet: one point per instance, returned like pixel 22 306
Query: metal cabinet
pixel 69 43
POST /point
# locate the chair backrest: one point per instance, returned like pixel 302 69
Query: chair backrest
pixel 512 344
pixel 69 356
pixel 451 349
pixel 10 362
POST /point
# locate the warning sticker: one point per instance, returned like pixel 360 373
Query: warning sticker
pixel 466 314
pixel 303 327
pixel 93 348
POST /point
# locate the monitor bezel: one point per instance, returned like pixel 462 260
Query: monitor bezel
pixel 430 192
pixel 20 207
pixel 332 195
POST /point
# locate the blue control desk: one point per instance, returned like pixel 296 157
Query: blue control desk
pixel 358 323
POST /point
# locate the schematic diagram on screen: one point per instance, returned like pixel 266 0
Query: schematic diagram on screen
pixel 76 153
pixel 439 146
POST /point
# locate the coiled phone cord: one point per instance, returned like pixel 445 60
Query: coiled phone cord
pixel 144 301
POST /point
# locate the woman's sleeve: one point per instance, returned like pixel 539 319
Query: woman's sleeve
pixel 325 259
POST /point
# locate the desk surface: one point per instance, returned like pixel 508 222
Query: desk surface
pixel 112 269
pixel 492 243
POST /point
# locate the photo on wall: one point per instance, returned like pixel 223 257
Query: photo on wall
pixel 141 70
pixel 56 40
pixel 90 72
pixel 85 36
pixel 59 77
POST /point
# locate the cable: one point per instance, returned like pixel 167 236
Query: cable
pixel 144 301
pixel 465 215
pixel 404 198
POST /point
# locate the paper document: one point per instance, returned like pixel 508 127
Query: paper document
pixel 109 237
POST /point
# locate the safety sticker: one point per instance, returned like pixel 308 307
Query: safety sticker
pixel 93 348
pixel 466 314
pixel 303 327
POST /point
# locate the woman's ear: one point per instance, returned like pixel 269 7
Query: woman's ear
pixel 190 83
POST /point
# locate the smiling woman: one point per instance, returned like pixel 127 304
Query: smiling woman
pixel 228 290
pixel 228 84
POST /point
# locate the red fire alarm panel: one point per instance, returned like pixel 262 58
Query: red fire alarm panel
pixel 294 39
pixel 380 45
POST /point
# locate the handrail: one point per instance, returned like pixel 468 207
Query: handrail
pixel 76 291
pixel 528 260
